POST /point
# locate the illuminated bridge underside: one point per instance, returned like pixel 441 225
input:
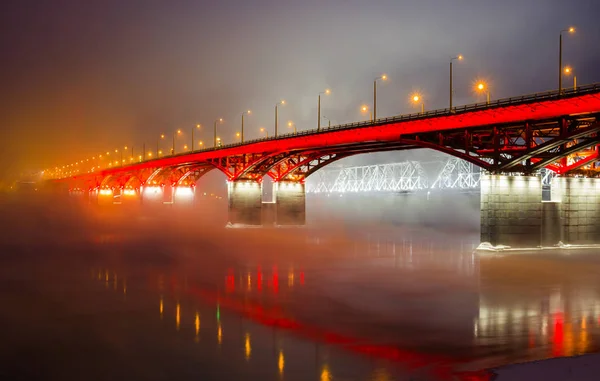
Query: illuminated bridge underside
pixel 516 135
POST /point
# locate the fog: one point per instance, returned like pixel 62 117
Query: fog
pixel 367 287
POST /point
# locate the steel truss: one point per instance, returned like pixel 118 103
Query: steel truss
pixel 408 176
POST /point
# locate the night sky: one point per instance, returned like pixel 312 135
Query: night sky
pixel 83 77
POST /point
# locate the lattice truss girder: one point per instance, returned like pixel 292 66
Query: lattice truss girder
pixel 562 145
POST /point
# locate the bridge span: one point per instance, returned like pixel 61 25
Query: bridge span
pixel 511 140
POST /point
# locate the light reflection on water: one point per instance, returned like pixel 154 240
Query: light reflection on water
pixel 302 304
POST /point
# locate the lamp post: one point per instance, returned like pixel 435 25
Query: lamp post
pixel 192 146
pixel 482 87
pixel 416 99
pixel 292 125
pixel 220 120
pixel 178 132
pixel 162 136
pixel 282 102
pixel 568 71
pixel 328 121
pixel 560 67
pixel 383 78
pixel 326 92
pixel 247 112
pixel 458 58
pixel 262 129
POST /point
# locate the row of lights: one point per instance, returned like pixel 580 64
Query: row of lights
pixel 415 98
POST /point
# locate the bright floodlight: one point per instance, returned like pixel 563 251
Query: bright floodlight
pixel 480 86
pixel 290 124
pixel 179 131
pixel 568 70
pixel 571 30
pixel 416 98
pixel 364 108
pixel 327 91
pixel 384 77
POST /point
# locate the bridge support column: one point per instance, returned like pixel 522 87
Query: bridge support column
pixel 290 199
pixel 511 210
pixel 245 202
pixel 579 200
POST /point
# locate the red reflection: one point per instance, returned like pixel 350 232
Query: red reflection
pixel 558 336
pixel 302 278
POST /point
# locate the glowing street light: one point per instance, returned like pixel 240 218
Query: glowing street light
pixel 457 58
pixel 178 132
pixel 262 129
pixel 568 71
pixel 292 125
pixel 247 112
pixel 282 102
pixel 383 78
pixel 482 87
pixel 560 66
pixel 365 109
pixel 197 127
pixel 416 98
pixel 158 153
pixel 220 120
pixel 200 143
pixel 326 92
pixel 237 135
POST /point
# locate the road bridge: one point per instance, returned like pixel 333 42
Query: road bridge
pixel 510 139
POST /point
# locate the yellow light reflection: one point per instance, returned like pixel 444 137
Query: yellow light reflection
pixel 247 347
pixel 249 282
pixel 325 374
pixel 161 308
pixel 281 362
pixel 291 279
pixel 124 287
pixel 219 334
pixel 197 323
pixel 177 316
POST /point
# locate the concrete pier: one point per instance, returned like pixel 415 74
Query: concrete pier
pixel 290 201
pixel 245 202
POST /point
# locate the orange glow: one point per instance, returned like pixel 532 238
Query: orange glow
pixel 281 362
pixel 247 347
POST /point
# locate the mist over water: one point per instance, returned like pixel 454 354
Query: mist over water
pixel 375 287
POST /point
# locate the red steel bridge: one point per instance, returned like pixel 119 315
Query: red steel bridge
pixel 512 136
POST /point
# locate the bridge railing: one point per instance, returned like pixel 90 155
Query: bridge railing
pixel 523 99
pixel 503 102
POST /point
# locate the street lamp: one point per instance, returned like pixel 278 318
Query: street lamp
pixel 458 58
pixel 365 109
pixel 328 121
pixel 162 136
pixel 282 102
pixel 292 125
pixel 326 92
pixel 482 87
pixel 178 132
pixel 568 71
pixel 220 120
pixel 237 135
pixel 262 129
pixel 117 151
pixel 248 112
pixel 192 146
pixel 416 99
pixel 383 78
pixel 560 67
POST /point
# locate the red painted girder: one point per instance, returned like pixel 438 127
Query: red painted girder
pixel 589 103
